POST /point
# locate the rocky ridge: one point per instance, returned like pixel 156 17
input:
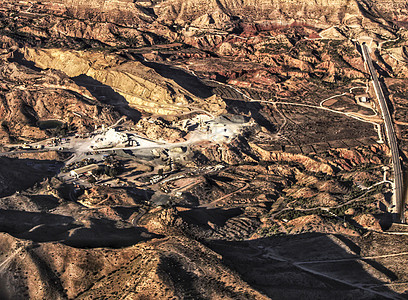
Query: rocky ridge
pixel 140 85
pixel 229 222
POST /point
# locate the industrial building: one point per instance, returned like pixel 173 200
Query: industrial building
pixel 84 170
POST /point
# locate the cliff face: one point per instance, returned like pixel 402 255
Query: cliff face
pixel 195 8
pixel 281 72
pixel 127 12
pixel 139 13
pixel 140 85
pixel 326 11
pixel 140 23
pixel 396 10
pixel 118 11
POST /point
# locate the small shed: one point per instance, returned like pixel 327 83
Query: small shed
pixel 363 98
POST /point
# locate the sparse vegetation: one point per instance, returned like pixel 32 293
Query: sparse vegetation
pixel 286 195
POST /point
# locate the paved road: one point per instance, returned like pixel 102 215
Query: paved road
pixel 398 200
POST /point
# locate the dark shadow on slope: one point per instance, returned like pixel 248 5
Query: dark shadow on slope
pixel 250 108
pixel 201 216
pixel 369 11
pixel 306 266
pixel 105 94
pixel 18 57
pixel 174 272
pixel 46 227
pixel 105 233
pixel 20 174
pixel 4 291
pixel 386 219
pixel 39 227
pixel 125 212
pixel 45 271
pixel 386 95
pixel 138 195
pixel 44 202
pixel 388 69
pixel 187 81
pixel 185 276
pixel 357 250
pixel 353 247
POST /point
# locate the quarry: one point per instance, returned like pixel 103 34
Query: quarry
pixel 203 149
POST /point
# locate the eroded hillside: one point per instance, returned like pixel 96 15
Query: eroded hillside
pixel 200 149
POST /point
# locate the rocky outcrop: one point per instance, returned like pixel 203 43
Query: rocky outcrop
pixel 203 23
pixel 317 224
pixel 29 98
pixel 139 84
pixel 123 12
pixel 347 159
pixel 284 10
pixel 236 152
pixel 161 269
pixel 309 163
pixel 107 33
pixel 368 221
pixel 101 196
pixel 13 174
pixel 160 131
